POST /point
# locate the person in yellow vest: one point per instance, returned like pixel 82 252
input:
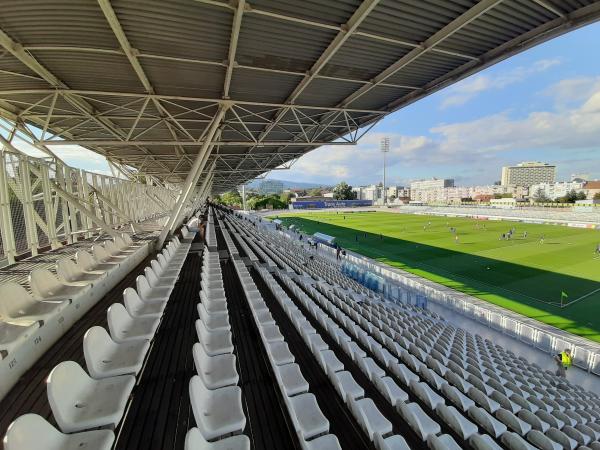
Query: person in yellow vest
pixel 564 360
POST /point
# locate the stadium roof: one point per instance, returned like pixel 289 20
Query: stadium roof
pixel 250 85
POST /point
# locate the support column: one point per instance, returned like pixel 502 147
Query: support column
pixel 72 210
pixel 28 209
pixel 194 174
pixel 6 226
pixel 49 206
pixel 66 222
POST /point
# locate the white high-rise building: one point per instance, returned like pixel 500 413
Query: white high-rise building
pixel 556 190
pixel 528 173
pixel 428 191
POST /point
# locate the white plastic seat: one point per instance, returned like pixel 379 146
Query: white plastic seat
pixel 418 421
pixel 280 353
pixel 46 286
pixel 541 441
pixel 369 417
pixel 291 380
pixel 513 441
pixel 443 442
pixel 215 371
pixel 271 333
pixel 166 275
pixel 394 442
pixel 149 294
pixel 123 327
pixel 390 390
pixel 213 321
pixel 103 257
pixel 558 436
pixel 486 421
pixel 326 442
pixel 159 285
pixel 217 412
pixel 18 306
pixel 483 442
pixel 456 421
pixel 69 272
pixel 88 263
pixel 307 416
pixel 79 402
pixel 426 394
pixel 33 432
pixel 107 358
pixel 329 361
pixel 214 342
pixel 513 422
pixel 111 248
pixel 195 441
pixel 137 308
pixel 167 266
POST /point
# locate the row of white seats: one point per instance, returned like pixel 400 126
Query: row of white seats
pixel 377 427
pixel 312 427
pixel 214 395
pixel 82 402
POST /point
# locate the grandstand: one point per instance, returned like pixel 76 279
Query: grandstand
pixel 136 314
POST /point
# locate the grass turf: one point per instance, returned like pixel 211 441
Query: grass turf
pixel 520 274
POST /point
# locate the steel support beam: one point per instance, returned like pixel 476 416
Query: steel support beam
pixel 193 175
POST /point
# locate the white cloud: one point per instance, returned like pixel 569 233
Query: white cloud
pixel 466 90
pixel 477 145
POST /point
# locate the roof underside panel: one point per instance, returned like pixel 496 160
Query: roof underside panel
pixel 145 88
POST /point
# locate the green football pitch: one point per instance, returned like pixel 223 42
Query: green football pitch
pixel 522 274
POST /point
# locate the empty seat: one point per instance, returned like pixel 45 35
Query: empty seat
pixel 394 442
pixel 213 321
pixel 369 417
pixel 102 256
pixel 33 432
pixel 137 308
pixel 89 263
pixel 159 286
pixel 541 441
pixel 291 380
pixel 215 371
pixel 443 442
pixel 486 421
pixel 456 421
pixel 328 360
pixel 12 335
pixel 280 353
pixel 79 402
pixel 419 422
pixel 123 327
pixel 533 420
pixel 483 400
pixel 150 294
pixel 20 308
pixel 307 416
pixel 214 342
pixel 107 358
pixel 345 384
pixel 69 272
pixel 46 286
pixel 513 422
pixel 217 412
pixel 390 390
pixel 195 441
pixel 515 442
pixel 483 442
pixel 426 394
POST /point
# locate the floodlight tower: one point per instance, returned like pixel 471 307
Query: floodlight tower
pixel 244 196
pixel 385 148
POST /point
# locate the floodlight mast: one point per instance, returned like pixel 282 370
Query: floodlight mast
pixel 385 148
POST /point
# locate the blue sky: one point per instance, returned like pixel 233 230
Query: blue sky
pixel 543 104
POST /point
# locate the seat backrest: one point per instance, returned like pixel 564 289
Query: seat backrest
pixel 127 239
pixel 111 248
pixel 158 269
pixel 68 386
pixel 151 277
pixel 199 396
pixel 67 270
pixel 118 319
pixel 143 287
pixel 13 297
pixel 31 432
pixel 194 440
pixel 132 300
pixel 100 253
pixel 43 283
pixel 96 343
pixel 120 243
pixel 162 261
pixel 85 260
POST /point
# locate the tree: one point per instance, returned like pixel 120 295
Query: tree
pixel 232 198
pixel 581 195
pixel 391 199
pixel 315 192
pixel 285 197
pixel 540 196
pixel 597 196
pixel 343 191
